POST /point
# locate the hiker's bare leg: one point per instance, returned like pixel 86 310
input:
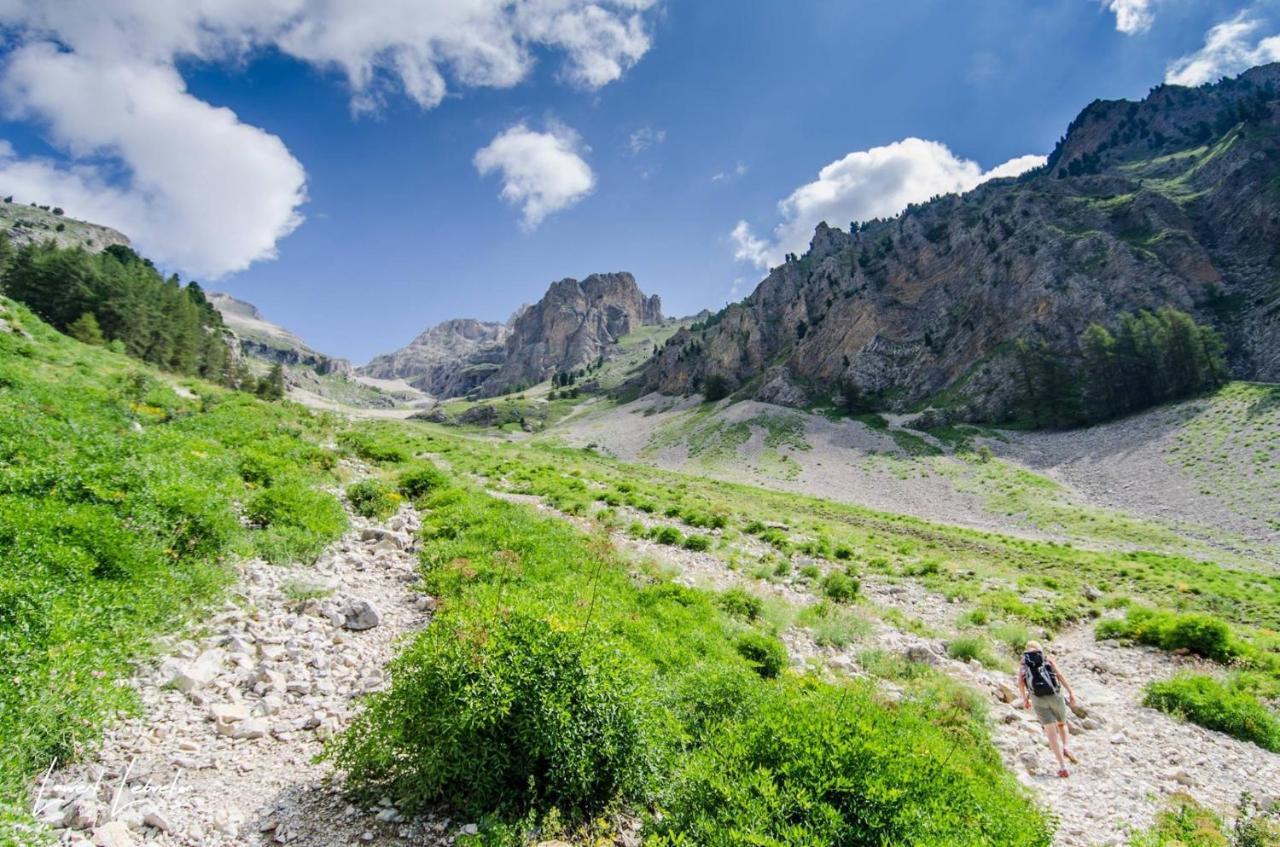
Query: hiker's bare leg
pixel 1051 732
pixel 1062 734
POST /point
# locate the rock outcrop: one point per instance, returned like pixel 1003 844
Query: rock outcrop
pixel 1171 201
pixel 449 360
pixel 258 338
pixel 570 327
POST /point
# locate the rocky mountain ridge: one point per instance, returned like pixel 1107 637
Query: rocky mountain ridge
pixel 258 338
pixel 450 359
pixel 1171 201
pixel 27 224
pixel 573 324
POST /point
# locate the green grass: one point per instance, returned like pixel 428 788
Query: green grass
pixel 119 510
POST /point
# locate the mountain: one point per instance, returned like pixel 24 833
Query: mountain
pixel 1171 201
pixel 450 359
pixel 568 329
pixel 571 327
pixel 26 224
pixel 260 339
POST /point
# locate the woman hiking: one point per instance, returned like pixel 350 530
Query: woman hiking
pixel 1040 683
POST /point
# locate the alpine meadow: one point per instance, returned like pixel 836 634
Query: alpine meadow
pixel 931 500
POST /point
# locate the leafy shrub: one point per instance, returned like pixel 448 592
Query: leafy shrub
pixel 373 499
pixel 843 552
pixel 741 604
pixel 968 647
pixel 697 543
pixel 519 715
pixel 420 480
pixel 817 766
pixel 840 586
pixel 1013 636
pixel 297 520
pixel 832 625
pixel 1215 705
pixel 1198 633
pixel 1185 823
pixel 668 535
pixel 373 446
pixel 766 654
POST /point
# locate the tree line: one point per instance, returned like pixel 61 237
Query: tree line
pixel 119 299
pixel 1151 358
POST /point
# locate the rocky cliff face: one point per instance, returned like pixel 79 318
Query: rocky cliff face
pixel 1174 200
pixel 451 359
pixel 258 338
pixel 570 327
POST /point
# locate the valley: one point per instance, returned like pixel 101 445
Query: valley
pixel 598 575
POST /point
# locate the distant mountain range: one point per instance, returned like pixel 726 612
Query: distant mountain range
pixel 568 329
pixel 1171 201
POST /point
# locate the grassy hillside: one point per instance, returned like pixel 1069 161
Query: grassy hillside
pixel 124 494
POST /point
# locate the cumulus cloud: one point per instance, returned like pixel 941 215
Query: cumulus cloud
pixel 1228 48
pixel 867 184
pixel 192 184
pixel 542 172
pixel 204 192
pixel 1132 16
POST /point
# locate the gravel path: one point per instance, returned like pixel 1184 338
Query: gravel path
pixel 231 721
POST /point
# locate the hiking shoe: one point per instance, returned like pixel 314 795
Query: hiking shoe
pixel 1062 773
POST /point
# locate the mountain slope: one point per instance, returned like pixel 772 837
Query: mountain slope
pixel 258 338
pixel 1173 201
pixel 35 224
pixel 570 327
pixel 450 359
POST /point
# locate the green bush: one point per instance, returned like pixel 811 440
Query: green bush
pixel 1186 823
pixel 1215 705
pixel 697 543
pixel 766 654
pixel 420 480
pixel 297 521
pixel 516 716
pixel 373 499
pixel 833 625
pixel 741 604
pixel 825 766
pixel 668 535
pixel 966 647
pixel 840 586
pixel 1198 633
pixel 378 447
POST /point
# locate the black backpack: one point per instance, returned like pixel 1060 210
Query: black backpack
pixel 1040 674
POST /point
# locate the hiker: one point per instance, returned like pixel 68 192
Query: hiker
pixel 1040 683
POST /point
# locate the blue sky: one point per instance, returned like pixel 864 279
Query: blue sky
pixel 644 144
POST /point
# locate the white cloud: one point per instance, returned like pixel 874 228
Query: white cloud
pixel 748 248
pixel 644 138
pixel 1228 49
pixel 1132 16
pixel 739 170
pixel 204 191
pixel 193 185
pixel 867 184
pixel 542 172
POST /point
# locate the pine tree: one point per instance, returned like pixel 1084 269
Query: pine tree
pixel 271 386
pixel 85 329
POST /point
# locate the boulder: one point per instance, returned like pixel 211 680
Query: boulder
pixel 360 615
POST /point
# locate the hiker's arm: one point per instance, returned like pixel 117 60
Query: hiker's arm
pixel 1071 695
pixel 1022 686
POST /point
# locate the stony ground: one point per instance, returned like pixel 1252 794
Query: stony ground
pixel 232 719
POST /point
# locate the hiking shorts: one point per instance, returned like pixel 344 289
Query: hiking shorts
pixel 1050 708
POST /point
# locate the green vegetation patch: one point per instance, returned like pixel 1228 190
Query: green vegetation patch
pixel 120 503
pixel 1218 706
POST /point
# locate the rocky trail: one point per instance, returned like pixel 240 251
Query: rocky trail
pixel 232 718
pixel 1131 757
